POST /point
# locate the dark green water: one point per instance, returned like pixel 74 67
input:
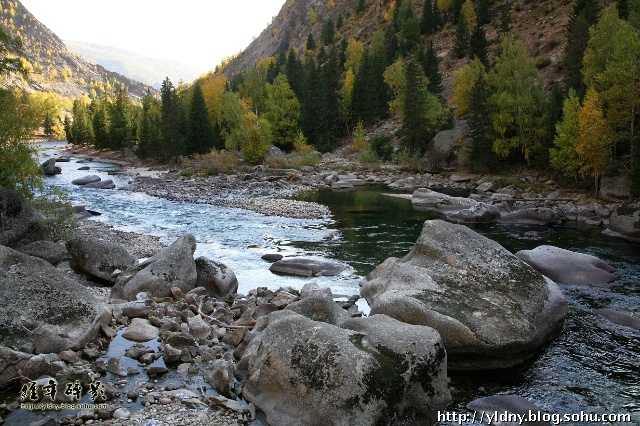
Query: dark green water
pixel 593 366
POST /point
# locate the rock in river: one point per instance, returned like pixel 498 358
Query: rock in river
pixel 491 308
pixel 86 180
pixel 568 267
pixel 219 280
pixel 306 267
pixel 440 203
pixel 620 318
pixel 507 404
pixel 41 305
pixel 100 259
pixel 172 267
pixel 373 370
pixel 625 222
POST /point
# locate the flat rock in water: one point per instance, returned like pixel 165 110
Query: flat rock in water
pixel 306 267
pixel 620 318
pixel 86 180
pixel 516 405
pixel 441 203
pixel 532 216
pixel 272 257
pixel 140 330
pixel 103 184
pixel 568 267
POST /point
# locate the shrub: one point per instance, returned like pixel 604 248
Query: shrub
pixel 360 142
pixel 382 147
pixel 409 161
pixel 56 216
pixel 216 162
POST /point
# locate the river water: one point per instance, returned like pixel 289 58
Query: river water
pixel 593 366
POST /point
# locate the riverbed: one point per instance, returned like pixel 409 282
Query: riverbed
pixel 593 366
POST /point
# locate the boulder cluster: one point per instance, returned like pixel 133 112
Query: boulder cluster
pixel 456 301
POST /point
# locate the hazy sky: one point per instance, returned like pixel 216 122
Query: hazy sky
pixel 198 32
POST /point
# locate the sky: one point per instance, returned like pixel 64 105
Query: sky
pixel 197 32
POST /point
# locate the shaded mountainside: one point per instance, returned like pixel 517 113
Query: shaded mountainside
pixel 541 25
pixel 151 71
pixel 52 67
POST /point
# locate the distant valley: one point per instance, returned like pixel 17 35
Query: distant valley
pixel 147 70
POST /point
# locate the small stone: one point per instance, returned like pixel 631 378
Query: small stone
pixel 121 414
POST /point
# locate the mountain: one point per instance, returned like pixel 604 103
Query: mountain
pixel 541 25
pixel 52 67
pixel 150 71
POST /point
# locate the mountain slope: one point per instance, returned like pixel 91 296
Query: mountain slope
pixel 542 25
pixel 52 67
pixel 150 71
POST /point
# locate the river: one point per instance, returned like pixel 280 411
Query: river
pixel 593 366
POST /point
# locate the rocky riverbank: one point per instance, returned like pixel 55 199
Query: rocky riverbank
pixel 270 191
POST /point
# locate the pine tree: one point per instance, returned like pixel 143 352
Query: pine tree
pixel 428 24
pixel 47 125
pixel 100 123
pixel 483 11
pixel 415 111
pixel 67 130
pixel 479 46
pixel 431 66
pixel 120 134
pixel 584 15
pixel 311 44
pixel 623 9
pixel 360 7
pixel 483 158
pixel 408 25
pixel 328 32
pixel 172 142
pixel 461 46
pixel 200 137
pixel 505 20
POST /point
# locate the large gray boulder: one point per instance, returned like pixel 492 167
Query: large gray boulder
pixel 53 253
pixel 373 370
pixel 15 365
pixel 568 267
pixel 219 280
pixel 491 309
pixel 306 267
pixel 99 259
pixel 172 267
pixel 426 199
pixel 625 222
pixel 17 219
pixel 42 308
pixel 49 167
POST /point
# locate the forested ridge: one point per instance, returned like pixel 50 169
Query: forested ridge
pixel 569 106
